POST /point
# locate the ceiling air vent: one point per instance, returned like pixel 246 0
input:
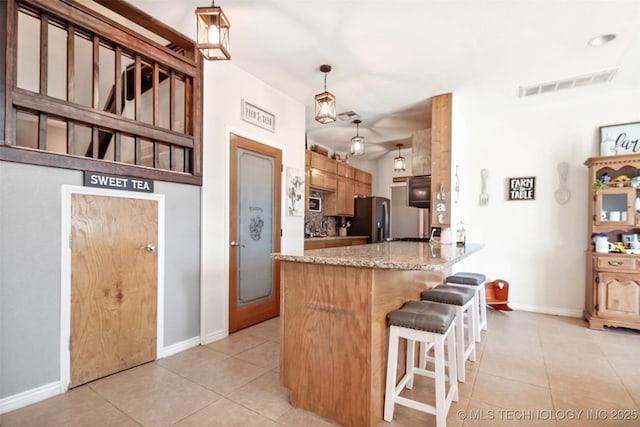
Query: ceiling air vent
pixel 568 83
pixel 348 116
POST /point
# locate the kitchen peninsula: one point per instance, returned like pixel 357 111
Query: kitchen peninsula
pixel 334 336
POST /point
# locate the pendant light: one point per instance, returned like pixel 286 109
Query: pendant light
pixel 357 142
pixel 325 101
pixel 399 163
pixel 213 33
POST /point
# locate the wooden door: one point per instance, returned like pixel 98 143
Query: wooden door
pixel 113 285
pixel 254 232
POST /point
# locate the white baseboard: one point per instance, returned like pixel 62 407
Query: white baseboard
pixel 214 336
pixel 29 397
pixel 179 347
pixel 547 310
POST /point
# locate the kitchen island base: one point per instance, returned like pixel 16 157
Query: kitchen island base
pixel 334 335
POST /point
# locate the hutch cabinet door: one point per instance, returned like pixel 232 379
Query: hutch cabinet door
pixel 615 206
pixel 619 296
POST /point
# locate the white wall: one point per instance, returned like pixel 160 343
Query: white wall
pixel 225 87
pixel 537 246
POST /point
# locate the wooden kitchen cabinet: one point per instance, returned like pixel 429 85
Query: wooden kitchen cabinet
pixel 345 170
pixel 321 180
pixel 612 279
pixel 340 203
pixel 339 181
pixel 324 163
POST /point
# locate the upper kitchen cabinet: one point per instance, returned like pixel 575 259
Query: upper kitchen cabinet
pixel 362 184
pixel 322 172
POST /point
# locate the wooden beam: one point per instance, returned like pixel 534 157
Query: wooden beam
pixel 45 158
pixel 44 53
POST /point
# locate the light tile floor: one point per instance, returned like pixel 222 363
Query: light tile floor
pixel 532 370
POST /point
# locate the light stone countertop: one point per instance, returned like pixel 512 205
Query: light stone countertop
pixel 324 238
pixel 392 255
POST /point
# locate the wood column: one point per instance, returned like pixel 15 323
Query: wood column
pixel 441 145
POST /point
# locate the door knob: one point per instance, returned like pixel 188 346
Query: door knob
pixel 150 247
pixel 234 243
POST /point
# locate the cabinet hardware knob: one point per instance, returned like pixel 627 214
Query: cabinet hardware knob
pixel 615 263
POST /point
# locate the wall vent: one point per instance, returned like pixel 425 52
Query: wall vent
pixel 348 116
pixel 568 83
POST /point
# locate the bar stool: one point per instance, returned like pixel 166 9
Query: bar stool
pixel 474 281
pixel 465 302
pixel 425 322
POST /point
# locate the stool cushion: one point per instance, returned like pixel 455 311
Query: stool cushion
pixel 475 279
pixel 448 295
pixel 423 316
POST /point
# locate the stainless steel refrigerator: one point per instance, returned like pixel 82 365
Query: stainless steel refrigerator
pixel 371 218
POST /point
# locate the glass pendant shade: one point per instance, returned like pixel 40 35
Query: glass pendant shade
pixel 325 108
pixel 325 101
pixel 357 142
pixel 399 163
pixel 213 33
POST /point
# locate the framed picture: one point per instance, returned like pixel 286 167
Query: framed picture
pixel 521 188
pixel 295 192
pixel 626 137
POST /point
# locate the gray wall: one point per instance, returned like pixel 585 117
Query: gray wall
pixel 30 259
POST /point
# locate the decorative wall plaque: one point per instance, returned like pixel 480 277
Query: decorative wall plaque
pixel 257 116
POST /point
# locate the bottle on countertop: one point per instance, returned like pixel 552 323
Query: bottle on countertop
pixel 461 235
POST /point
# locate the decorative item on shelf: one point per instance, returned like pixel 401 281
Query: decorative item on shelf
pixel 357 142
pixel 399 163
pixel 325 101
pixel 620 181
pixel 563 194
pixel 484 196
pixel 608 146
pixel 213 33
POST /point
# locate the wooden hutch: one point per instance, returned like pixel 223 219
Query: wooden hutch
pixel 613 279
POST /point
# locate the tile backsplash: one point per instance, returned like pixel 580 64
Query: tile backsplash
pixel 316 223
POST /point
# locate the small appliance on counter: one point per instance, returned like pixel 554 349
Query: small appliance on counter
pixel 371 218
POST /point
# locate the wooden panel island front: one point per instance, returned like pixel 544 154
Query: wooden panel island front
pixel 334 335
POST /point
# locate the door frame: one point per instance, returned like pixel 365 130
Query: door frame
pixel 67 192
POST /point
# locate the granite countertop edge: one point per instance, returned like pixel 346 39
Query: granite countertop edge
pixel 320 239
pixel 342 258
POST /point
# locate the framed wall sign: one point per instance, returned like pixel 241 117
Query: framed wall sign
pixel 521 188
pixel 257 116
pixel 626 137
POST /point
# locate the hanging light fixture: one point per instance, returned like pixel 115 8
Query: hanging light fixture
pixel 325 101
pixel 399 163
pixel 357 142
pixel 213 33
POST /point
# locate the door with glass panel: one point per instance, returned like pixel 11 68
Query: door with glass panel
pixel 254 232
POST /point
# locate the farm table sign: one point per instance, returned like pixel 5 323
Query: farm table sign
pixel 626 137
pixel 522 188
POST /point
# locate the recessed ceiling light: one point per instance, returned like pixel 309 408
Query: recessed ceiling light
pixel 602 39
